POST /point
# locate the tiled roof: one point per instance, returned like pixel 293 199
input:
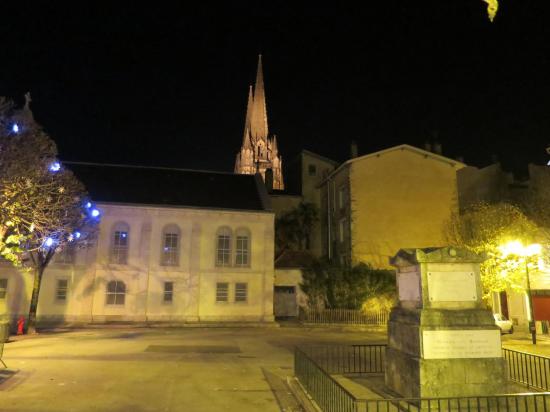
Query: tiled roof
pixel 171 187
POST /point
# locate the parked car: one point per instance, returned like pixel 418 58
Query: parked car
pixel 505 325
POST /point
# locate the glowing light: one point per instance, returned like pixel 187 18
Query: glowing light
pixel 548 164
pixel 88 205
pixel 55 167
pixel 77 235
pixel 124 234
pixel 95 213
pixel 516 248
pixel 15 128
pixel 48 242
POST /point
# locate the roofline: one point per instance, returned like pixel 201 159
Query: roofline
pixel 152 205
pixel 334 162
pixel 150 167
pixel 426 153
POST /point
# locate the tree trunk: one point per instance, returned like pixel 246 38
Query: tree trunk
pixel 31 325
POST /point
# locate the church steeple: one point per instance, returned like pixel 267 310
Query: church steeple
pixel 259 113
pixel 259 151
pixel 246 138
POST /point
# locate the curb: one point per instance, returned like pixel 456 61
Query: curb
pixel 301 395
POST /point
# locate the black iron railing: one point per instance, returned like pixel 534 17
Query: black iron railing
pixel 528 369
pixel 327 393
pixel 348 359
pixel 531 402
pixel 314 366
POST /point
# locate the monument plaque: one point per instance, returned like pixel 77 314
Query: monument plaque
pixel 463 344
pixel 452 286
pixel 409 286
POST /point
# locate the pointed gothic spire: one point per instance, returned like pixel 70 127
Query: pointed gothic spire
pixel 259 111
pixel 246 138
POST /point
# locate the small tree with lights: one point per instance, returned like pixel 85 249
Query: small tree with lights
pixel 44 206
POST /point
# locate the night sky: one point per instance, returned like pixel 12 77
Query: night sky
pixel 167 85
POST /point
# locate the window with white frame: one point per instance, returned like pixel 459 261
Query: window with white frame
pixel 120 241
pixel 222 291
pixel 116 292
pixel 168 292
pixel 170 246
pixel 242 248
pixel 61 290
pixel 241 292
pixel 223 247
pixel 3 288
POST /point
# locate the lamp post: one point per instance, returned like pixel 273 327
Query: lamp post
pixel 517 248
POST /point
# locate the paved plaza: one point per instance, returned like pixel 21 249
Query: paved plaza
pixel 149 369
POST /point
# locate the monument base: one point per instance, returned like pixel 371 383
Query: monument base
pixel 444 353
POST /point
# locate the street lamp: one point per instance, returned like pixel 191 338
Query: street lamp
pixel 516 248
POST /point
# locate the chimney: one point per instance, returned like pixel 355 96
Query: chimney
pixel 353 150
pixel 269 180
pixel 428 146
pixel 437 149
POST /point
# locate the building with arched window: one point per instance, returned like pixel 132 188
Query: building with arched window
pixel 172 246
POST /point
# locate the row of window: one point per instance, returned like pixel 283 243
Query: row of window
pixel 222 292
pixel 115 292
pixel 225 241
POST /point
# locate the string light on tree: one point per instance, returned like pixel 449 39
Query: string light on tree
pixel 55 167
pixel 15 128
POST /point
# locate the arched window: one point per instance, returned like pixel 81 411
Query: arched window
pixel 223 247
pixel 242 247
pixel 170 246
pixel 116 292
pixel 119 243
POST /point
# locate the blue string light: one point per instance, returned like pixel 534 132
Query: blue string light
pixel 77 235
pixel 88 205
pixel 55 167
pixel 15 128
pixel 48 242
pixel 95 213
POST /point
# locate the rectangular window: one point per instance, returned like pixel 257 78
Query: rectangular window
pixel 312 170
pixel 120 248
pixel 170 249
pixel 224 250
pixel 222 292
pixel 3 288
pixel 342 230
pixel 241 292
pixel 241 253
pixel 61 290
pixel 342 197
pixel 168 292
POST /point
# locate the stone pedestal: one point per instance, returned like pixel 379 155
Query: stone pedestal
pixel 442 342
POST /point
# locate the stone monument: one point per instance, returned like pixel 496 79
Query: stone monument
pixel 442 341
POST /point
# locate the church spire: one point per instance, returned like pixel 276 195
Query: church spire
pixel 246 137
pixel 259 110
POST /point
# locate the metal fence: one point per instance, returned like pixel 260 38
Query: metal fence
pixel 344 316
pixel 327 393
pixel 349 359
pixel 314 366
pixel 528 369
pixel 531 402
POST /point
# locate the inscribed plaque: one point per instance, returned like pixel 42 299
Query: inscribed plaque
pixel 452 286
pixel 409 286
pixel 452 344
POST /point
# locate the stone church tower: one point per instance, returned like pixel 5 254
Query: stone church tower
pixel 259 151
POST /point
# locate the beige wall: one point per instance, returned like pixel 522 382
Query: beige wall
pixel 399 199
pixel 194 278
